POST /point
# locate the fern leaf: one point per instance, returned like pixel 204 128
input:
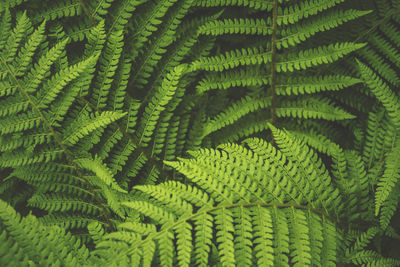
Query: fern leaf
pixel 298 33
pixel 59 9
pixel 232 59
pixel 59 81
pixel 382 92
pixel 108 66
pixel 26 53
pixel 235 78
pixel 225 229
pixel 19 123
pixel 389 179
pixel 184 243
pixel 5 27
pixel 101 171
pixel 158 103
pixel 389 208
pixel 148 22
pixel 235 112
pixel 306 8
pixel 86 125
pixel 41 69
pixel 263 233
pixel 158 47
pixel 203 238
pixel 255 4
pixel 290 147
pixel 15 38
pixel 314 84
pixel 153 211
pixel 299 243
pixel 312 108
pixel 38 244
pixel 235 26
pixel 61 203
pixel 314 57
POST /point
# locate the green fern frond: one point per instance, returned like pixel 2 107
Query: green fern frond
pixel 309 85
pixel 389 179
pixel 85 125
pixel 59 9
pixel 298 33
pixel 235 112
pixel 232 59
pixel 389 207
pixel 101 171
pixel 238 218
pixel 313 57
pixel 235 78
pixel 117 123
pixel 382 92
pixel 158 103
pixel 304 9
pixel 148 23
pixel 33 243
pixel 372 258
pixel 255 4
pixel 235 26
pixel 108 66
pixel 312 108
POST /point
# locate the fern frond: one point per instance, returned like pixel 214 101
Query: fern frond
pixel 389 179
pixel 383 93
pixel 314 84
pixel 236 26
pixel 312 108
pixel 107 68
pixel 34 243
pixel 26 53
pixel 372 258
pixel 101 171
pixel 235 112
pixel 59 81
pixel 5 27
pixel 148 23
pixel 298 33
pixel 85 125
pixel 234 78
pixel 158 47
pixel 232 59
pixel 15 38
pixel 263 236
pixel 158 103
pixel 255 4
pixel 314 57
pixel 290 147
pixel 59 9
pixel 305 9
pixel 389 208
pixel 247 218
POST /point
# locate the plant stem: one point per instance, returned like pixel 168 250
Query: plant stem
pixel 273 61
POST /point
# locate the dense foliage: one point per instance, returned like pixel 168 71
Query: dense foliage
pixel 199 133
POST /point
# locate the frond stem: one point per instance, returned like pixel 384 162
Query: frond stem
pixel 273 61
